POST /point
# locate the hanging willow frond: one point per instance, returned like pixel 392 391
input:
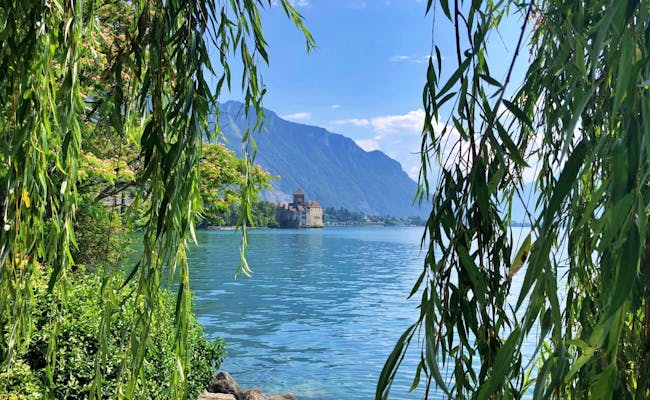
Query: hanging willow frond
pixel 155 56
pixel 579 123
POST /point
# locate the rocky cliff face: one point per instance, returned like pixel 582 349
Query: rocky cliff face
pixel 331 168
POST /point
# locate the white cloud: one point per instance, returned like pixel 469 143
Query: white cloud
pixel 389 125
pixel 300 116
pixel 529 173
pixel 409 59
pixel 352 121
pixel 368 144
pixel 410 122
pixel 397 135
pixel 335 106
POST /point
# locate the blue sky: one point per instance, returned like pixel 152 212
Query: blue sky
pixel 365 78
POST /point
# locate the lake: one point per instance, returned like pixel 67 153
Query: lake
pixel 321 312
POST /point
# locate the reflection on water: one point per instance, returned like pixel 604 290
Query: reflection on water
pixel 321 312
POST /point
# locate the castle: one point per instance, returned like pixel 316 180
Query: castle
pixel 299 214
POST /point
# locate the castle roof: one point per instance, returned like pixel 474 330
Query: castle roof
pixel 298 191
pixel 313 204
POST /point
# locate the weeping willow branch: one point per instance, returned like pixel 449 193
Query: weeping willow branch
pixel 155 56
pixel 579 121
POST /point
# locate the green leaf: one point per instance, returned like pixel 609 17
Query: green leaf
pixel 429 3
pixel 392 363
pixel 472 270
pixel 500 367
pixel 627 271
pixel 542 377
pixel 603 30
pixel 518 113
pixel 417 284
pixel 604 383
pixel 566 180
pixel 583 99
pixel 416 378
pixel 455 77
pixel 480 189
pixel 513 150
pixel 445 7
pixel 587 354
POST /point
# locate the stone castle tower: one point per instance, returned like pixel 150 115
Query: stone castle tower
pixel 299 197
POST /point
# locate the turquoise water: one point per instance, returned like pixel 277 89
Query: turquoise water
pixel 320 314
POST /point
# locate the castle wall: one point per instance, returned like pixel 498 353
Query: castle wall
pixel 288 218
pixel 314 218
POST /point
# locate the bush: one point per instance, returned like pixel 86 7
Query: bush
pixel 100 234
pixel 79 341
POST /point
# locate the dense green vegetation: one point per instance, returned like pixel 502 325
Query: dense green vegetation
pixel 107 104
pixel 262 216
pixel 581 122
pixel 79 344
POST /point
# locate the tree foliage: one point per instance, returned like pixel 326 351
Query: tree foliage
pixel 223 177
pixel 84 85
pixel 579 122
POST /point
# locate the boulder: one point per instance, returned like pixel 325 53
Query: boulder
pixel 253 394
pixel 216 396
pixel 283 396
pixel 224 383
pixel 224 387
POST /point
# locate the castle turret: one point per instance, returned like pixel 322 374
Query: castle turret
pixel 299 197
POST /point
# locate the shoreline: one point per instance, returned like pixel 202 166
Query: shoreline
pixel 339 225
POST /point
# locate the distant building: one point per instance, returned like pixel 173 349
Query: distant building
pixel 300 213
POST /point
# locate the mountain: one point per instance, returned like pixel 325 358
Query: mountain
pixel 328 167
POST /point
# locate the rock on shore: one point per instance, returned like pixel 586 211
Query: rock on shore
pixel 224 387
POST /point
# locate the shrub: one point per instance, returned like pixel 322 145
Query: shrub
pixel 79 340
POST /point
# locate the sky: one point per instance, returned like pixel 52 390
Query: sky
pixel 365 78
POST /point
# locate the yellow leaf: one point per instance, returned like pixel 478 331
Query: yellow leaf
pixel 520 258
pixel 26 199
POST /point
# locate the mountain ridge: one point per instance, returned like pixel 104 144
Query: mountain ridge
pixel 329 167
